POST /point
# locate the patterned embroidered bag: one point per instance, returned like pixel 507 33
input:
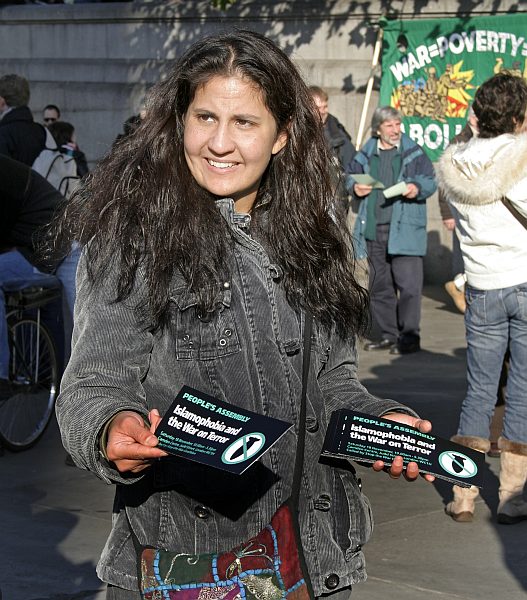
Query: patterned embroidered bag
pixel 269 566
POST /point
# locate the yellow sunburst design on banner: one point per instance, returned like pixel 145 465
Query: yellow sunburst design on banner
pixel 458 97
pixel 436 96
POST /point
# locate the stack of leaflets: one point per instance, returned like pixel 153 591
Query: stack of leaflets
pixel 365 438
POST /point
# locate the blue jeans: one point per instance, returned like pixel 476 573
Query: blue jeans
pixel 66 272
pixel 494 320
pixel 16 271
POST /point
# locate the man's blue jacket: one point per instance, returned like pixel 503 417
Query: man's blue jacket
pixel 407 235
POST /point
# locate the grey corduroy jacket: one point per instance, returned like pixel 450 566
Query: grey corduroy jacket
pixel 248 354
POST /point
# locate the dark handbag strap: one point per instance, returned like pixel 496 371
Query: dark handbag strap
pixel 514 211
pixel 299 459
pixel 293 500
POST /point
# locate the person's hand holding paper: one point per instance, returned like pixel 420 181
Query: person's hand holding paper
pixel 398 189
pixel 408 190
pixel 396 469
pixel 367 179
pixel 364 184
pixel 411 191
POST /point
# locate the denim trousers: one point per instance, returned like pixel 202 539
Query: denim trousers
pixel 396 287
pixel 495 320
pixel 18 272
pixel 66 272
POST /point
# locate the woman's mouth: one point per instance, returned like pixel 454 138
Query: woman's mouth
pixel 219 164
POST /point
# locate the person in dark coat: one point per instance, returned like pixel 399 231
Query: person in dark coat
pixel 28 203
pixel 20 137
pixel 338 141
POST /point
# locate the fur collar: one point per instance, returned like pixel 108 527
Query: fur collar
pixel 481 171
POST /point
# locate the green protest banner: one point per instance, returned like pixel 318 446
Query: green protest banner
pixel 432 68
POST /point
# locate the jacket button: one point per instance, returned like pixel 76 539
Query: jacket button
pixel 323 503
pixel 202 512
pixel 332 581
pixel 312 424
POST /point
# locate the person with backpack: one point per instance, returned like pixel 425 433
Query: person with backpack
pixel 59 168
pixel 64 135
pixel 62 164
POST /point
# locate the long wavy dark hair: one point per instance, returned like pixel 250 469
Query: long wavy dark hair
pixel 142 206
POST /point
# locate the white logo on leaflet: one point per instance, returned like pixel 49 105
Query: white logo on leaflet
pixel 458 464
pixel 243 448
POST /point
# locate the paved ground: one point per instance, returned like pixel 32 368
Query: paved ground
pixel 417 551
pixel 54 518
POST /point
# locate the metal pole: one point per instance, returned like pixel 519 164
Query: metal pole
pixel 369 87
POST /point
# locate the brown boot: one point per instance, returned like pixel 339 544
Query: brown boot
pixel 513 475
pixel 461 508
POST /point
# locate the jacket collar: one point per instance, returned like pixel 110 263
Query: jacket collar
pixel 19 113
pixel 481 171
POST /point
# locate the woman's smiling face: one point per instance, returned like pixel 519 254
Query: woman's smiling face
pixel 229 139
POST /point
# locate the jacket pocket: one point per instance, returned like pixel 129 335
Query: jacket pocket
pixel 200 338
pixel 203 338
pixel 353 519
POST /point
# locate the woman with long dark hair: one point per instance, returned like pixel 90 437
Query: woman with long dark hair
pixel 209 236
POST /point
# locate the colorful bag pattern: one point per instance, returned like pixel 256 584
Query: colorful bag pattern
pixel 266 567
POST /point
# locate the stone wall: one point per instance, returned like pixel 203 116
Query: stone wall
pixel 96 61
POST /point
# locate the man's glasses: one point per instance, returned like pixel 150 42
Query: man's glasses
pixel 50 120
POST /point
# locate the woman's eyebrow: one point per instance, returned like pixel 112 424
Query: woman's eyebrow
pixel 238 116
pixel 247 117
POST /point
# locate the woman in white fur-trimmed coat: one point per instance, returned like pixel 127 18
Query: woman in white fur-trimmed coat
pixel 475 177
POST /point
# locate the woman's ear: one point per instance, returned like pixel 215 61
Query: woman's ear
pixel 280 142
pixel 520 126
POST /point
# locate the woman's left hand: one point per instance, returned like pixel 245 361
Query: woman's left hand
pixel 396 469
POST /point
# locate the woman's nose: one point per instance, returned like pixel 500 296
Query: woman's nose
pixel 221 142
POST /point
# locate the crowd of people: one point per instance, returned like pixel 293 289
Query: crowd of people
pixel 218 261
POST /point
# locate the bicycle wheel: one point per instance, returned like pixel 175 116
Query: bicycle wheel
pixel 26 409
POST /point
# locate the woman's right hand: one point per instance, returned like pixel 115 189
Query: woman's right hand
pixel 131 444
